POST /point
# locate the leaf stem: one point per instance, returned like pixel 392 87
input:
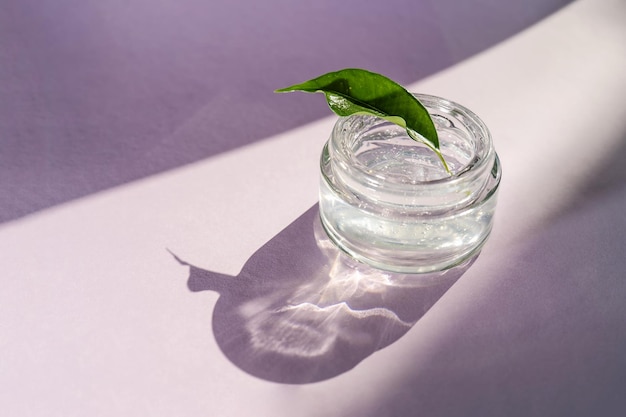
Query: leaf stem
pixel 416 137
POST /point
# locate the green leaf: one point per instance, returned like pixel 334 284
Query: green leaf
pixel 357 91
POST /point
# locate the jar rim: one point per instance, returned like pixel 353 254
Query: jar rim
pixel 483 149
pixel 480 159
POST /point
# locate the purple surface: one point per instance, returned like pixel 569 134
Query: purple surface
pixel 96 94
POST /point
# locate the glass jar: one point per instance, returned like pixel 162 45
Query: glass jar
pixel 387 200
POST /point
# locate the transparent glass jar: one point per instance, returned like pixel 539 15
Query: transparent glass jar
pixel 387 200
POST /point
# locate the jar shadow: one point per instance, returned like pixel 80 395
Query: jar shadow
pixel 302 311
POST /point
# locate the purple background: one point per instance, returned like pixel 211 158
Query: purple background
pixel 97 93
pixel 94 94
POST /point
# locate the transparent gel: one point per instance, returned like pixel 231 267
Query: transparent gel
pixel 387 200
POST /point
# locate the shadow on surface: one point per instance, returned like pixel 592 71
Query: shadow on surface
pixel 302 311
pixel 67 99
pixel 546 339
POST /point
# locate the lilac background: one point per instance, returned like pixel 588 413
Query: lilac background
pixel 96 94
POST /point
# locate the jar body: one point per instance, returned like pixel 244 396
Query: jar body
pixel 386 199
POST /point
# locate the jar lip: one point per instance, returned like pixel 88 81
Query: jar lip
pixel 470 121
pixel 449 105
